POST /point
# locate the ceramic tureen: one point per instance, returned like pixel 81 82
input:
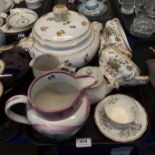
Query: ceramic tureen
pixel 66 34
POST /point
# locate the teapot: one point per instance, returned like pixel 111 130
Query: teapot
pixel 105 83
pixel 125 71
pixel 57 104
pixel 66 34
pixel 114 36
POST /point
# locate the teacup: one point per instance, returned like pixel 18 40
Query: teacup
pixel 120 109
pixel 54 96
pixel 33 4
pixel 46 63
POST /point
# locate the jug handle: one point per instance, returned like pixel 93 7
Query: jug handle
pixel 86 81
pixel 14 101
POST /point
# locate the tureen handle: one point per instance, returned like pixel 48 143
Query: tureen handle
pixel 60 12
pixel 97 27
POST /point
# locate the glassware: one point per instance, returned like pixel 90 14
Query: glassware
pixel 142 26
pixel 127 7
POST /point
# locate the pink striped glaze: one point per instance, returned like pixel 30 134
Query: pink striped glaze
pixel 57 114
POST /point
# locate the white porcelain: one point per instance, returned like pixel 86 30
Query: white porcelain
pixel 21 18
pixel 66 34
pixel 92 8
pixel 33 4
pixel 123 69
pixel 114 36
pixel 5 5
pixel 1 21
pixel 47 62
pixel 129 133
pixel 56 120
pixel 121 110
pixel 101 88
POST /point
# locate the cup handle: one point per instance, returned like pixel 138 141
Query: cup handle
pixel 12 115
pixel 86 81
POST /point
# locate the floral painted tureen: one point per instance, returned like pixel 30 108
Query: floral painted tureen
pixel 67 34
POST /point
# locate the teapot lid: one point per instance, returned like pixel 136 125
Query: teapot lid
pixel 60 26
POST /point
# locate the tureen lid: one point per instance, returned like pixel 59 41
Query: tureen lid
pixel 61 26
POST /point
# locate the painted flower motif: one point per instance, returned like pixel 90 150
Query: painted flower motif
pixel 84 23
pixel 44 28
pixel 59 33
pixel 86 58
pixel 67 22
pixel 72 26
pixel 51 77
pixel 49 18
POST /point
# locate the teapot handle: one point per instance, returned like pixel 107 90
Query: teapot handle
pixel 110 79
pixel 12 115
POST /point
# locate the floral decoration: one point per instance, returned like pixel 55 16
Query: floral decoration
pixel 84 23
pixel 86 58
pixel 44 28
pixel 59 33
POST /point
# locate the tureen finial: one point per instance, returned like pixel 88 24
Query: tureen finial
pixel 60 12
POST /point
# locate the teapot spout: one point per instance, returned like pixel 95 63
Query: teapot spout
pixel 142 79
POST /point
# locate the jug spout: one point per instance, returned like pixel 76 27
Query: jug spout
pixel 86 81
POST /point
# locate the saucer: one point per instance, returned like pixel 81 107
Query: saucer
pixel 13 30
pixel 6 5
pixel 131 132
pixel 22 18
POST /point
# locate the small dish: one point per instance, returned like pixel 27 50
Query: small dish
pixel 129 133
pixel 5 5
pixel 21 18
pixel 12 30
